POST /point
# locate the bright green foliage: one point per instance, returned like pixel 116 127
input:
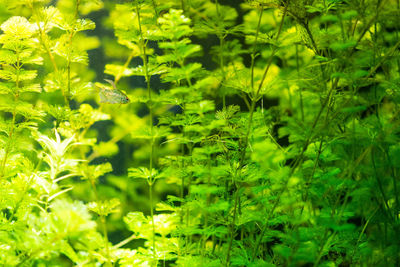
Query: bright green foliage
pixel 258 133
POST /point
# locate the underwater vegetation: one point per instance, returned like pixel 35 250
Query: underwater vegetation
pixel 199 133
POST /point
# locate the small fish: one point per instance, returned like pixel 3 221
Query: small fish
pixel 112 96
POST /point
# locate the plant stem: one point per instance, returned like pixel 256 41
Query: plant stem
pixel 232 228
pixel 14 115
pixel 66 96
pixel 8 148
pixel 153 229
pixel 151 119
pixel 105 233
pixel 46 47
pixel 253 54
pixel 126 241
pixel 325 244
pixel 254 100
pixel 103 224
pixel 119 75
pixel 300 89
pixel 71 35
pixel 380 186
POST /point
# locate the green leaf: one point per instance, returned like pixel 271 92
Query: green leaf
pixel 341 46
pixel 83 25
pixel 69 218
pixel 14 75
pixel 6 88
pixel 148 133
pixel 359 74
pixel 31 88
pixel 116 70
pixel 68 251
pixel 201 107
pixel 283 251
pixel 206 189
pixel 144 173
pixel 192 70
pixel 138 223
pixel 47 17
pixel 56 146
pixel 95 171
pixel 354 109
pixel 329 18
pixel 7 56
pixel 106 207
pixel 349 14
pixel 22 108
pixel 174 24
pixel 17 27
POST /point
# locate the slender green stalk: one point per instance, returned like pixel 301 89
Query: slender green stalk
pixel 253 54
pixel 77 3
pixel 127 62
pixel 105 233
pixel 18 66
pixel 394 181
pixel 327 240
pixel 8 147
pixel 222 68
pixel 43 38
pixel 153 229
pixel 103 223
pixel 67 95
pixel 299 159
pixel 296 164
pixel 356 247
pixel 125 241
pixel 254 100
pixel 143 44
pixel 221 38
pixel 380 186
pixel 300 89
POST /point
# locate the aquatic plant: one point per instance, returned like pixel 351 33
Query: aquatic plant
pixel 233 133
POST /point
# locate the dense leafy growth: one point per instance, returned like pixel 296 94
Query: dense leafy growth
pixel 257 133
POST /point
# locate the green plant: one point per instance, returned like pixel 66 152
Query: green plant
pixel 258 133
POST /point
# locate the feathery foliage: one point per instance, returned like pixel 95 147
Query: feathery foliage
pixel 237 133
